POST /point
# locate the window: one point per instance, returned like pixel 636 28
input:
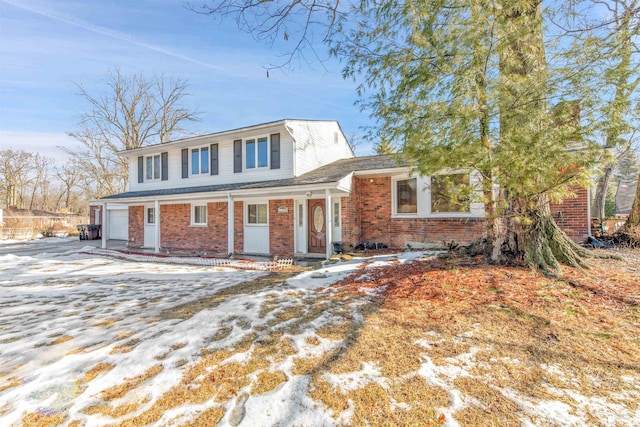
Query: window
pixel 300 215
pixel 153 167
pixel 199 160
pixel 257 214
pixel 450 193
pixel 199 215
pixel 406 196
pixel 151 215
pixel 336 214
pixel 257 153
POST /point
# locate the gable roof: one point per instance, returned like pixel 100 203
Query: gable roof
pixel 331 173
pixel 178 143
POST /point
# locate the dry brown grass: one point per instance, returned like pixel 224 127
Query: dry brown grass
pixel 268 381
pixel 43 419
pixel 61 339
pixel 129 384
pixel 207 418
pixel 115 411
pixel 126 347
pixel 97 370
pixel 10 383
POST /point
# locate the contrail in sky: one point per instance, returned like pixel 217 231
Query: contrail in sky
pixel 105 32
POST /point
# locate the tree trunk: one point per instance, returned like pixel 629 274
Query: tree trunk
pixel 601 194
pixel 634 215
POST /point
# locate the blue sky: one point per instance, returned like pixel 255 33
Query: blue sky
pixel 47 46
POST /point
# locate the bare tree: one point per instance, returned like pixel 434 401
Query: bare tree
pixel 132 112
pixel 16 174
pixel 69 177
pixel 296 22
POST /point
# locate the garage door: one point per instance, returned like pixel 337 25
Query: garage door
pixel 119 225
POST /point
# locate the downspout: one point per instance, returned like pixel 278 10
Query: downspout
pixel 328 225
pixel 105 225
pixel 156 229
pixel 230 224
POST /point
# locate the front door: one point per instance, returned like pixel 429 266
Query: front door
pixel 317 226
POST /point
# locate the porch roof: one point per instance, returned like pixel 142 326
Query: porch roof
pixel 328 174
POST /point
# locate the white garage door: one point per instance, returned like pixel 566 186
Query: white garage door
pixel 119 224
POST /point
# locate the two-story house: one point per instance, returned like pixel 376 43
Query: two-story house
pixel 289 188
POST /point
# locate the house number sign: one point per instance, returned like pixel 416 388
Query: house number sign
pixel 283 209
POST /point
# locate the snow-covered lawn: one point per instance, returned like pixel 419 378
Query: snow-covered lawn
pixel 87 340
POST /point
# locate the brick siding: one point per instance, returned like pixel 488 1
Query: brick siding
pixel 92 215
pixel 572 214
pixel 281 226
pixel 177 233
pixel 368 219
pixel 238 227
pixel 136 226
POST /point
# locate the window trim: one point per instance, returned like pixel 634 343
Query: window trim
pixel 256 224
pixel 147 210
pixel 152 159
pixel 207 157
pixel 394 197
pixel 423 188
pixel 194 206
pixel 256 153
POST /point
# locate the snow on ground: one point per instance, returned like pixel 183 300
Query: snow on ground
pixel 62 315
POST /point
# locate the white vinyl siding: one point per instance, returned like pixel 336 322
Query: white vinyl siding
pixel 225 165
pixel 317 144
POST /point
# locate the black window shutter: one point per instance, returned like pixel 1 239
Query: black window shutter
pixel 237 156
pixel 164 161
pixel 185 163
pixel 275 151
pixel 214 159
pixel 140 169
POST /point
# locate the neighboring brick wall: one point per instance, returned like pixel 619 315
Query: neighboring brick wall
pixel 367 218
pixel 281 228
pixel 238 227
pixel 572 214
pixel 177 233
pixel 136 226
pixel 92 215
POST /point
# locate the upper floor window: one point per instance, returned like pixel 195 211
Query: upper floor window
pixel 153 167
pixel 407 196
pixel 257 153
pixel 450 193
pixel 199 160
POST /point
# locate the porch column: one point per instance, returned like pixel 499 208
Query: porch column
pixel 105 225
pixel 156 228
pixel 328 226
pixel 230 224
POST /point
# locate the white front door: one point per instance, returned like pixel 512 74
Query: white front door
pixel 149 227
pixel 256 227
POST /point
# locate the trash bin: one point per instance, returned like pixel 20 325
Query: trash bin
pixel 82 231
pixel 93 231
